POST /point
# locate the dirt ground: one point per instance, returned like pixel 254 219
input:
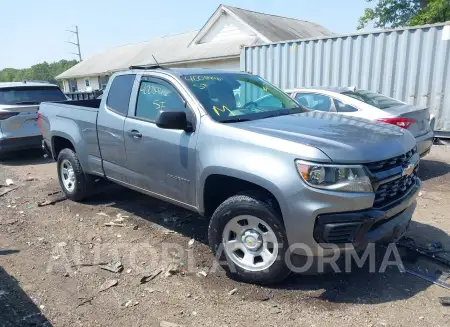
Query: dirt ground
pixel 49 256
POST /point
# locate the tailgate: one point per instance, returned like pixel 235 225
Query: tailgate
pixel 22 121
pixel 421 118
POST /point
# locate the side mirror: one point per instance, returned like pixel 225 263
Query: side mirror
pixel 173 120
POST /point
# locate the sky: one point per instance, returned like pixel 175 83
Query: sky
pixel 33 31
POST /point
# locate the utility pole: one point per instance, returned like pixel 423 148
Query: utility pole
pixel 78 42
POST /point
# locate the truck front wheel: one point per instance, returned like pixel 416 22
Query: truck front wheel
pixel 74 182
pixel 249 240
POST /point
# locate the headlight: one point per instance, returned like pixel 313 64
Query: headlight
pixel 343 178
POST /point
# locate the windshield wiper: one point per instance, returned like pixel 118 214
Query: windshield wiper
pixel 286 112
pixel 234 120
pixel 27 102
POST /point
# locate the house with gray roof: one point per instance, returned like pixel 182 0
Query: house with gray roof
pixel 216 45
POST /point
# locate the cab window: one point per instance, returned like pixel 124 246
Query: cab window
pixel 120 92
pixel 155 95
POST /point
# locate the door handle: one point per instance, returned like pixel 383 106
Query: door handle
pixel 135 133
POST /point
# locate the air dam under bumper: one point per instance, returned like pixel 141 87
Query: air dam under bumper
pixel 20 143
pixel 367 226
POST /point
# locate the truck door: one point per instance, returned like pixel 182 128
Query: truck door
pixel 110 122
pixel 163 161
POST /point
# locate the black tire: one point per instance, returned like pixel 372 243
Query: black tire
pixel 83 183
pixel 262 207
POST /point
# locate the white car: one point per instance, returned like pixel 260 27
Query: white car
pixel 372 106
pixel 19 105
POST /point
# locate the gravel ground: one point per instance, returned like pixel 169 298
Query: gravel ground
pixel 46 280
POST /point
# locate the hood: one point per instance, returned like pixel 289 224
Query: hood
pixel 342 138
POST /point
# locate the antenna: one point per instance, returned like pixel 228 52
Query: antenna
pixel 155 60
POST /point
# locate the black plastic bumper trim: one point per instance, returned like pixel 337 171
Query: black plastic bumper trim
pixel 368 220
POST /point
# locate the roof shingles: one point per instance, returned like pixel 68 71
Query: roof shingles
pixel 176 49
pixel 278 28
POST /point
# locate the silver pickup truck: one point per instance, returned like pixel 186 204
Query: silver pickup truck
pixel 276 179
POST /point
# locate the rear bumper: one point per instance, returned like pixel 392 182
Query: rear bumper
pixel 20 143
pixel 424 143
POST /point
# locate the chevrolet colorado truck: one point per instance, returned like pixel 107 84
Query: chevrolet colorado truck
pixel 274 178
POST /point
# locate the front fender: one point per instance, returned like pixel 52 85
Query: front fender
pixel 239 174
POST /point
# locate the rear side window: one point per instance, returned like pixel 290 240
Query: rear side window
pixel 374 99
pixel 120 92
pixel 314 101
pixel 30 95
pixel 341 107
pixel 155 95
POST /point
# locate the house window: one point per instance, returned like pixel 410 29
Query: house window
pixel 86 82
pixel 73 85
pixel 102 82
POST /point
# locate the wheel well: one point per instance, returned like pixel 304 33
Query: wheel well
pixel 60 143
pixel 432 122
pixel 218 188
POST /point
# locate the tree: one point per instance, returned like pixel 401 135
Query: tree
pixel 437 11
pixel 398 13
pixel 41 72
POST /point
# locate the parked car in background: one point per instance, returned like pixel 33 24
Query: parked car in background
pixel 19 103
pixel 273 178
pixel 373 106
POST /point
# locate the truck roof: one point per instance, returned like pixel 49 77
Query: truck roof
pixel 26 84
pixel 185 71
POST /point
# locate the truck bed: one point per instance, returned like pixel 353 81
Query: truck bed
pixel 92 103
pixel 72 120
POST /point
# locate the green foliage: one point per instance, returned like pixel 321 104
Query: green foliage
pixel 40 72
pixel 398 13
pixel 437 11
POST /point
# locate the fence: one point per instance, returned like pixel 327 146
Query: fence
pixel 409 64
pixel 83 95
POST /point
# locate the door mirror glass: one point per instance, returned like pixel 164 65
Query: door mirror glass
pixel 169 119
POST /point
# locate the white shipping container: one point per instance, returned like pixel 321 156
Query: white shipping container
pixel 409 64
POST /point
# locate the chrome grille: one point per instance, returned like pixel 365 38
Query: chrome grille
pixel 378 166
pixel 393 190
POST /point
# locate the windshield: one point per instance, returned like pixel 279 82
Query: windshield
pixel 374 99
pixel 240 97
pixel 30 95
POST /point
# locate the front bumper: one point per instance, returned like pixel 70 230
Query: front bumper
pixel 424 143
pixel 367 226
pixel 313 216
pixel 20 143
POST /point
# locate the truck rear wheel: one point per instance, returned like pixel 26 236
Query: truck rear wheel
pixel 248 238
pixel 74 182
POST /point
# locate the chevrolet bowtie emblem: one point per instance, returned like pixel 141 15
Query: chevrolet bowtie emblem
pixel 408 170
